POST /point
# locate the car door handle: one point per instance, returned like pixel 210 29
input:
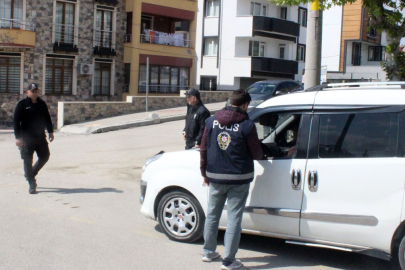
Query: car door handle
pixel 313 180
pixel 296 179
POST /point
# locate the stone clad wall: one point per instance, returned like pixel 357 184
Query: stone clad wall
pixel 76 112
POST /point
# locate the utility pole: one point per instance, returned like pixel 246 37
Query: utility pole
pixel 147 84
pixel 314 46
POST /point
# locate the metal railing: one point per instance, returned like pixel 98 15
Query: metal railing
pixel 65 33
pixel 128 38
pixel 104 39
pixel 126 88
pixel 162 88
pixel 166 39
pixel 16 24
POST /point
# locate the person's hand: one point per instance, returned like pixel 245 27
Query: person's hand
pixel 51 137
pixel 19 142
pixel 184 136
pixel 206 182
pixel 196 146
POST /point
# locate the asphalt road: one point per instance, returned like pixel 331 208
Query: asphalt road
pixel 86 213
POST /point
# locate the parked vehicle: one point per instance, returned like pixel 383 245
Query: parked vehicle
pixel 264 90
pixel 336 178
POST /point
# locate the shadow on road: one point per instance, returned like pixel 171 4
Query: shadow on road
pixel 278 255
pixel 77 190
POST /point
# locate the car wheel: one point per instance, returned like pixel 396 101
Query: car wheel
pixel 399 258
pixel 181 217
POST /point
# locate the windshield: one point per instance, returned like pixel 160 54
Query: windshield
pixel 261 88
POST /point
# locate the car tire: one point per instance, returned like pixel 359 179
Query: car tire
pixel 181 217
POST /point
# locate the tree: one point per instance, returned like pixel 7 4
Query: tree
pixel 385 15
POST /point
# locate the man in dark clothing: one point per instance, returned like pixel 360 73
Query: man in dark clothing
pixel 228 148
pixel 31 117
pixel 195 119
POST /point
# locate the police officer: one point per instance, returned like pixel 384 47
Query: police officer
pixel 229 145
pixel 195 120
pixel 31 118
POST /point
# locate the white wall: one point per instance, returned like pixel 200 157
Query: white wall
pixel 211 27
pixel 331 38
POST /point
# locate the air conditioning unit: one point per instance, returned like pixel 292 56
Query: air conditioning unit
pixel 85 69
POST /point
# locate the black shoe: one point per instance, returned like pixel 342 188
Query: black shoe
pixel 32 189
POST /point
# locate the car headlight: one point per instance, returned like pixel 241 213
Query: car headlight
pixel 255 103
pixel 151 159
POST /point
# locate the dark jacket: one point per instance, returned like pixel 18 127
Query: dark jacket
pixel 31 119
pixel 195 123
pixel 229 146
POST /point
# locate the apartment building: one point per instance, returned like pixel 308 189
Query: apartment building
pixel 351 50
pixel 72 49
pixel 163 32
pixel 240 42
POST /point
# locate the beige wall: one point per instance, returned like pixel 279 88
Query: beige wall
pixel 135 48
pixel 17 37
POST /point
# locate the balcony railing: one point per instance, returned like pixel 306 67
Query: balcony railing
pixel 128 38
pixel 104 39
pixel 274 65
pixel 155 37
pixel 16 24
pixel 65 33
pixel 276 25
pixel 162 88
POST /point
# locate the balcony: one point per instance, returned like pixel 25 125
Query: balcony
pixel 262 66
pixel 17 33
pixel 275 28
pixel 104 43
pixel 65 40
pixel 156 37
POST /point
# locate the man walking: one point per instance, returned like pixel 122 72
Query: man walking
pixel 31 117
pixel 229 145
pixel 195 120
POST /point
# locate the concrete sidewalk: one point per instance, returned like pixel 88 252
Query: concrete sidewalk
pixel 134 120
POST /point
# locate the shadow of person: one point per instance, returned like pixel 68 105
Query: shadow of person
pixel 77 190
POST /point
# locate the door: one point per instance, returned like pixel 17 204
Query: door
pixel 275 196
pixel 355 178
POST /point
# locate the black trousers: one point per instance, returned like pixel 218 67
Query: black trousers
pixel 31 145
pixel 190 143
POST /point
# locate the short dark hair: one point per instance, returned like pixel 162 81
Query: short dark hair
pixel 239 97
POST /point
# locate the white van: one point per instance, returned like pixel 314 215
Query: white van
pixel 336 177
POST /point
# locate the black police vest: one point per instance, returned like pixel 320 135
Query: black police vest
pixel 228 157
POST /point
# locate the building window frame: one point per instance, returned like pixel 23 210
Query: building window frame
pixel 375 53
pixel 281 51
pixel 20 18
pixel 212 81
pixel 56 26
pixel 213 42
pixel 303 16
pixel 262 9
pixel 356 56
pixel 99 40
pixel 283 13
pixel 301 51
pixel 111 81
pixel 212 8
pixel 20 56
pixel 73 69
pixel 257 48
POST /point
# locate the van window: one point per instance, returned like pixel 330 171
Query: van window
pixel 358 135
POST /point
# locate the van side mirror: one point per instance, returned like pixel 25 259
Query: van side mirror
pixel 278 93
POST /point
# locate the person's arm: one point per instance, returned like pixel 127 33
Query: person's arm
pixel 254 145
pixel 48 123
pixel 202 120
pixel 203 154
pixel 17 122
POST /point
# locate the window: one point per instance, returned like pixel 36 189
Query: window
pixel 104 26
pixel 375 53
pixel 127 76
pixel 64 22
pixel 282 51
pixel 302 16
pixel 301 53
pixel 372 31
pixel 211 46
pixel 356 54
pixel 256 48
pixel 208 83
pixel 11 13
pixel 283 13
pixel 258 9
pixel 10 71
pixel 128 36
pixel 59 76
pixel 164 79
pixel 212 8
pixel 358 135
pixel 102 78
